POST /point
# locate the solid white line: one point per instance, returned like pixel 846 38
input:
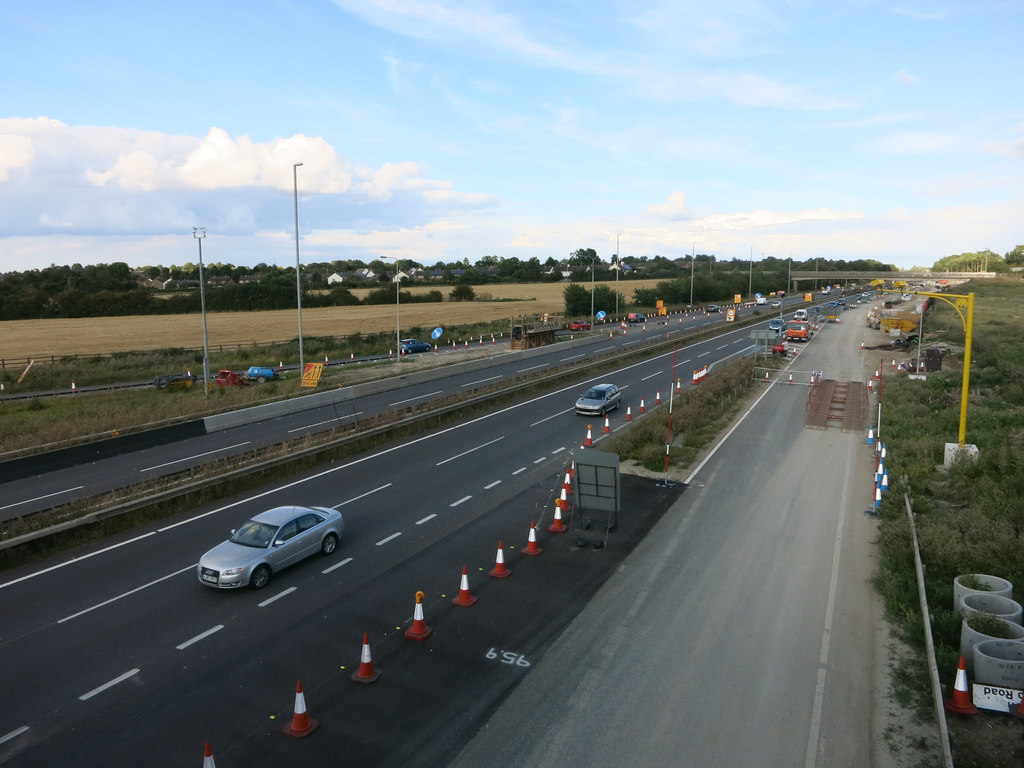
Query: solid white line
pixel 40 498
pixel 201 636
pixel 419 397
pixel 826 634
pixel 553 416
pixel 384 541
pixel 471 450
pixel 125 594
pixel 460 501
pixel 13 734
pixel 195 456
pixel 278 596
pixel 481 381
pixel 325 421
pixel 111 684
pixel 334 567
pixel 426 519
pixel 363 495
pixel 488 487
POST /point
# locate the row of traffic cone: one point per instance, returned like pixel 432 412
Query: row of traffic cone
pixel 303 725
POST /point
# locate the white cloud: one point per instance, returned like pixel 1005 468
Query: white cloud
pixel 905 78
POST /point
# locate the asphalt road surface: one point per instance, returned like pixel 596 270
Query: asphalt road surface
pixel 739 632
pixel 743 631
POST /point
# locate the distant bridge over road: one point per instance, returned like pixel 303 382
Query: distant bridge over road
pixel 830 277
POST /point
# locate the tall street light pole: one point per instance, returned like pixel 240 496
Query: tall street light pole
pixel 693 259
pixel 750 282
pixel 592 292
pixel 199 233
pixel 398 319
pixel 298 265
pixel 618 262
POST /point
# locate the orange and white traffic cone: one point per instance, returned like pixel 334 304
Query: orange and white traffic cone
pixel 961 702
pixel 419 629
pixel 679 386
pixel 567 483
pixel 326 361
pixel 641 405
pixel 657 398
pixel 464 597
pixel 629 412
pixel 74 389
pixel 208 757
pixel 499 571
pixel 607 424
pixel 531 544
pixel 302 724
pixel 862 345
pixel 790 379
pixel 870 386
pixel 563 501
pixel 366 672
pixel 557 526
pixel 589 441
pixel 351 355
pixel 766 375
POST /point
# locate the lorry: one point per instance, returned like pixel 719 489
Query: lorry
pixel 797 330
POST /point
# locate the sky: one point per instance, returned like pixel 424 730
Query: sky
pixel 443 130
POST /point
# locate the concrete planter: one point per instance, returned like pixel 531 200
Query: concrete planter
pixel 999 663
pixel 970 637
pixel 991 585
pixel 994 605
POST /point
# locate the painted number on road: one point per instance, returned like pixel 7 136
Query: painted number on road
pixel 508 657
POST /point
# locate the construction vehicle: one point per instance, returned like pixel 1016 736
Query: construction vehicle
pixel 228 378
pixel 797 330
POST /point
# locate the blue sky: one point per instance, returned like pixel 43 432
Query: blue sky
pixel 449 129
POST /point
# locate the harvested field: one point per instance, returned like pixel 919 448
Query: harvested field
pixel 99 335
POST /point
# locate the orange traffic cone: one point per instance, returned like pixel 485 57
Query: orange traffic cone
pixel 365 673
pixel 629 412
pixel 208 757
pixel 766 375
pixel 419 629
pixel 302 724
pixel 567 483
pixel 500 571
pixel 870 386
pixel 557 526
pixel 351 355
pixel 790 379
pixel 862 345
pixel 657 398
pixel 641 405
pixel 563 501
pixel 679 386
pixel 961 702
pixel 531 544
pixel 589 440
pixel 73 388
pixel 607 425
pixel 464 597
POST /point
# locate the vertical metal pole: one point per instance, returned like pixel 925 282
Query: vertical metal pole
pixel 202 301
pixel 298 265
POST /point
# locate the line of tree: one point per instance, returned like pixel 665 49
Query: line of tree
pixel 114 289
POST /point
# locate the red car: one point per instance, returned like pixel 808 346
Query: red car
pixel 579 325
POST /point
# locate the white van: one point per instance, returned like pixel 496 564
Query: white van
pixel 800 314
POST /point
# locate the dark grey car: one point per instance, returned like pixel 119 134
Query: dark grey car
pixel 598 400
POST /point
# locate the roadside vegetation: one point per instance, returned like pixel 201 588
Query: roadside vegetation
pixel 970 518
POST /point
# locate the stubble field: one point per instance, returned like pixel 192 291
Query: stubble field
pixel 100 335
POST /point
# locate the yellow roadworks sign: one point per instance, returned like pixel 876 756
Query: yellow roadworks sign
pixel 311 376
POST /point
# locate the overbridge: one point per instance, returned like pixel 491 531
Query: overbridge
pixel 833 276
